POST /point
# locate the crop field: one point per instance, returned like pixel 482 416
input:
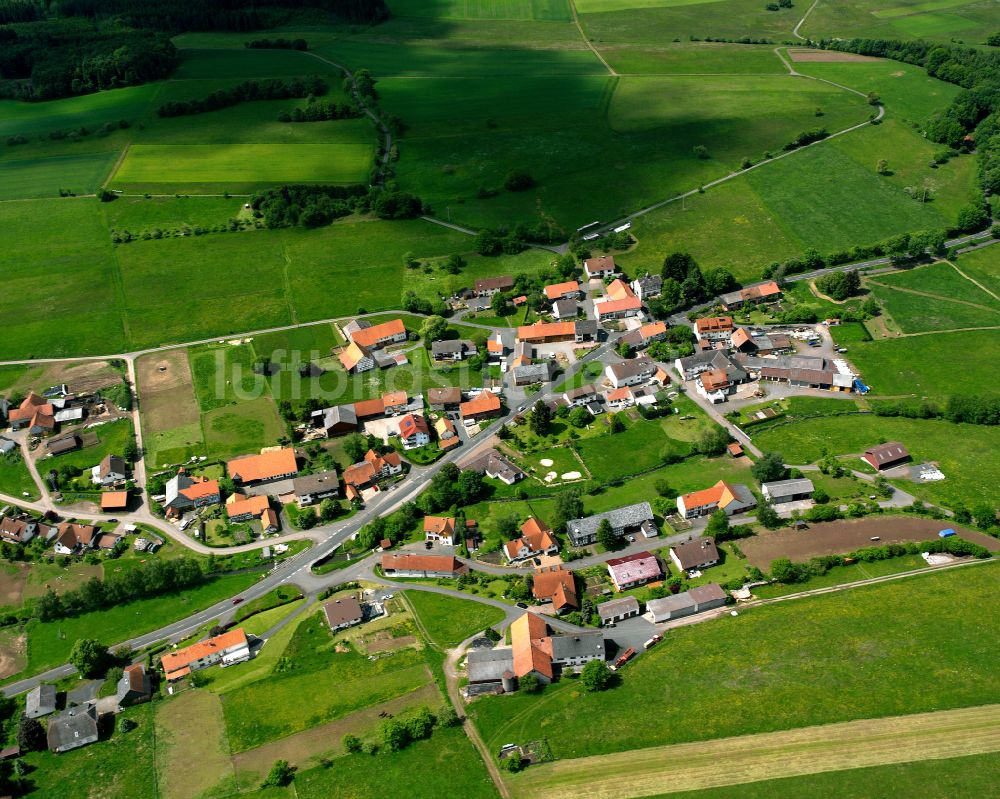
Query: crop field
pixel 928 19
pixel 449 621
pixel 864 653
pixel 482 9
pixel 186 764
pixel 44 177
pixel 944 778
pixel 972 470
pixel 171 421
pixel 834 747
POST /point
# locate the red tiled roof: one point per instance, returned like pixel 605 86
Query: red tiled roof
pixel 239 505
pixel 527 636
pixel 371 336
pixel 265 466
pixel 484 402
pixel 557 585
pixel 543 330
pixel 175 663
pixel 114 500
pixel 352 355
pixel 557 290
pixel 423 563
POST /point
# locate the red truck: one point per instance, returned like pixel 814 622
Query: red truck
pixel 623 658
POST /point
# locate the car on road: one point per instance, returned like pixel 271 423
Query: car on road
pixel 237 600
pixel 521 605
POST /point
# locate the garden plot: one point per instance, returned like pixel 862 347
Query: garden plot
pixel 558 465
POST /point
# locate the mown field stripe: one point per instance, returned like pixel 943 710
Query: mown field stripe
pixel 732 761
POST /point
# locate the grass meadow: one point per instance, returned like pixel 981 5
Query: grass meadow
pixel 15 479
pixel 941 20
pixel 449 621
pixel 44 177
pixel 483 9
pixel 864 653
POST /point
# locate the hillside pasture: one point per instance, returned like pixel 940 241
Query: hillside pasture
pixel 45 177
pixel 483 9
pixel 983 266
pixel 928 19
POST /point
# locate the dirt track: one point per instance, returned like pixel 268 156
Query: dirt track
pixel 751 758
pixel 837 538
pixel 826 56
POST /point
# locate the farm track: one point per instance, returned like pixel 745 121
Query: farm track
pixel 931 296
pixel 586 41
pixel 752 758
pixel 801 22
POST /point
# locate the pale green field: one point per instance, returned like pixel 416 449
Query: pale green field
pixel 598 6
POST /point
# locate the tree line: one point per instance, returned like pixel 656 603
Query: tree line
pixel 978 409
pixel 277 44
pixel 149 579
pixel 300 205
pixel 248 91
pixel 320 112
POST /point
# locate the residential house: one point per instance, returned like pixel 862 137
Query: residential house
pixel 583 395
pixel 694 554
pixel 713 328
pixel 620 398
pixel 356 359
pixel 886 456
pixel 618 610
pixel 269 523
pixel 647 286
pixel 488 286
pixel 570 290
pixel 687 603
pixel 447 433
pixel 637 518
pixel 440 530
pixel 271 464
pixel 781 491
pixel 714 385
pixel 134 687
pixel 40 701
pixel 485 405
pixel 730 497
pixel 620 303
pixel 109 471
pixel 690 367
pixel 565 309
pixel 532 373
pixel 422 566
pixel 242 508
pixel 18 530
pixel 496 466
pixel 185 493
pixel 310 489
pixel 536 539
pixel 367 473
pixel 456 350
pixel 75 727
pixel 413 431
pixel 755 294
pixel 396 402
pixel 374 337
pixel 644 336
pixel 599 268
pixel 73 538
pixel 558 586
pixel 538 652
pixel 228 648
pixel 444 399
pixel 630 373
pixel 343 613
pixel 634 570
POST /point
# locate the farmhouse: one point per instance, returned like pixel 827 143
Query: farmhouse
pixel 375 337
pixel 634 570
pixel 134 687
pixel 695 553
pixel 356 359
pixel 33 413
pixel 40 701
pixel 440 530
pixel 75 727
pixel 241 508
pixel 413 431
pixel 886 456
pixel 599 268
pixel 627 519
pixel 312 488
pixel 367 473
pixel 781 491
pixel 228 648
pixel 690 367
pixel 751 295
pixel 536 651
pixel 443 399
pixel 109 471
pixel 621 303
pixel 630 373
pixel 58 446
pixel 732 498
pixel 647 286
pixel 570 290
pixel 550 332
pixel 343 613
pixel 272 464
pixel 742 341
pixel 490 670
pixel 453 350
pixel 114 501
pixel 536 539
pixel 495 465
pixel 696 600
pixel 713 328
pixel 558 586
pixel 485 405
pixel 422 566
pixel 488 286
pixel 618 610
pixel 565 309
pixel 74 539
pixel 337 420
pixel 185 493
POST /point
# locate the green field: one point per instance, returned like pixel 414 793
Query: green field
pixel 972 469
pixel 843 646
pixel 950 778
pixel 929 19
pixel 15 479
pixel 449 621
pixel 112 438
pixel 244 428
pixel 44 177
pixel 482 9
pixel 640 447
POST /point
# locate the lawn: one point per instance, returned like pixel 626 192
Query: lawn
pixel 972 469
pixel 637 449
pixel 122 766
pixel 864 653
pixel 112 438
pixel 914 313
pixel 694 58
pixel 243 428
pixel 15 479
pixel 982 266
pixel 449 621
pixel 839 575
pixel 49 643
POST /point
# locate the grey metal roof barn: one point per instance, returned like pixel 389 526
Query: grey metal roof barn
pixel 73 728
pixel 584 531
pixel 40 701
